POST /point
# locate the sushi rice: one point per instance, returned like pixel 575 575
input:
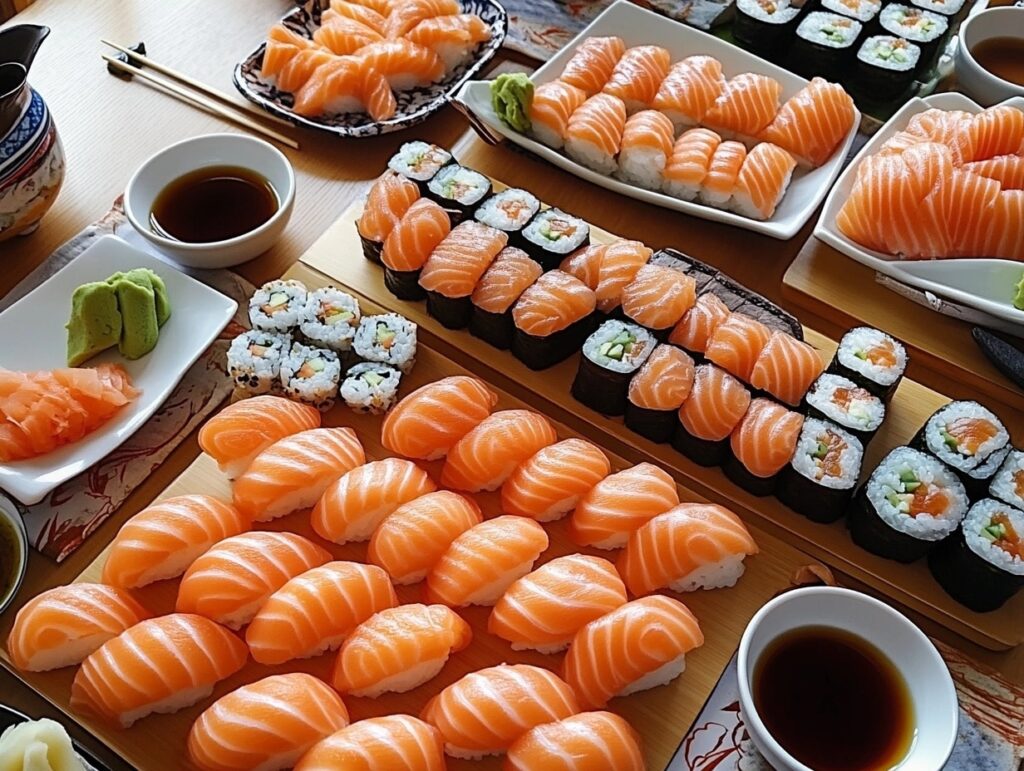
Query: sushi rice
pixel 861 10
pixel 254 361
pixel 387 339
pixel 371 387
pixel 510 210
pixel 1008 483
pixel 864 411
pixel 458 185
pixel 890 53
pixel 329 319
pixel 942 435
pixel 913 23
pixel 829 29
pixel 855 355
pixel 983 536
pixel 556 233
pixel 311 375
pixel 419 161
pixel 811 450
pixel 277 306
pixel 943 7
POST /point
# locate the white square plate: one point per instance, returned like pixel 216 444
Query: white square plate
pixel 961 280
pixel 637 26
pixel 33 337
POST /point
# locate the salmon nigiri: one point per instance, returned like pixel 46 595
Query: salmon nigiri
pixel 813 122
pixel 593 136
pixel 407 247
pixel 589 741
pixel 694 330
pixel 403 64
pixel 162 540
pixel 689 163
pixel 159 665
pixel 480 563
pixel 637 646
pixel 553 104
pixel 715 406
pixel 620 503
pixel 282 45
pixel 372 15
pixel 451 37
pixel 294 472
pixel 344 36
pixel 241 431
pixel 658 296
pixel 487 455
pixel 688 91
pixel 736 344
pixel 544 609
pixel 405 15
pixel 352 507
pixel 316 610
pixel 265 725
pixel 719 183
pixel 747 104
pixel 299 68
pixel 399 649
pixel 345 84
pixel 230 582
pixel 484 712
pixel 549 484
pixel 620 264
pixel 786 368
pixel 592 63
pixel 556 306
pixel 61 626
pixel 379 744
pixel 645 149
pixel 693 546
pixel 430 420
pixel 762 181
pixel 762 444
pixel 637 76
pixel 387 202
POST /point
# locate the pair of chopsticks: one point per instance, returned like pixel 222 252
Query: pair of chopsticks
pixel 243 115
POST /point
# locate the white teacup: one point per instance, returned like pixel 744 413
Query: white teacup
pixel 974 80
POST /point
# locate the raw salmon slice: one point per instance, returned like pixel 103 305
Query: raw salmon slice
pixel 594 132
pixel 511 273
pixel 695 329
pixel 813 122
pixel 585 264
pixel 553 104
pixel 342 35
pixel 786 368
pixel 620 263
pixel 690 88
pixel 379 744
pixel 415 236
pixel 548 485
pixel 762 181
pixel 403 64
pixel 458 262
pixel 736 344
pixel 346 84
pixel 387 202
pixel 452 38
pixel 747 104
pixel 1007 170
pixel 373 17
pixel 490 452
pixel 996 131
pixel 299 68
pixel 717 403
pixel 664 381
pixel 658 296
pixel 689 163
pixel 766 438
pixel 407 14
pixel 638 75
pixel 590 741
pixel 591 65
pixel 720 181
pixel 554 302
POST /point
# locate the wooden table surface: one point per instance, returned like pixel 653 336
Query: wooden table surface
pixel 110 127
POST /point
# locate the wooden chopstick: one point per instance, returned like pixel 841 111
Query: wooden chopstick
pixel 196 84
pixel 197 100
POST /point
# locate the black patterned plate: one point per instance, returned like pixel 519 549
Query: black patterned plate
pixel 414 106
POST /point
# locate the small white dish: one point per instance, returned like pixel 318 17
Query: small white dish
pixel 971 282
pixel 637 26
pixel 936 709
pixel 36 325
pixel 974 80
pixel 10 514
pixel 196 153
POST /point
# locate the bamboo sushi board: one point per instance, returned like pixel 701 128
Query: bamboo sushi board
pixel 662 716
pixel 338 253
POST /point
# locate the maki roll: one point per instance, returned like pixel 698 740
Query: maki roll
pixel 552 319
pixel 1008 483
pixel 951 9
pixel 982 566
pixel 254 361
pixel 511 273
pixel 910 503
pixel 657 298
pixel 453 270
pixel 861 10
pixel 657 392
pixel 329 319
pixel 968 438
pixel 387 339
pixel 552 235
pixel 871 359
pixel 311 375
pixel 611 356
pixel 388 199
pixel 410 244
pixel 277 306
pixel 820 479
pixel 371 387
pixel 925 28
pixel 761 445
pixel 458 190
pixel 717 403
pixel 840 400
pixel 885 66
pixel 824 44
pixel 765 26
pixel 510 211
pixel 420 162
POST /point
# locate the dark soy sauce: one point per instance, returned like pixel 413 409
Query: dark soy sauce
pixel 10 556
pixel 213 204
pixel 1003 57
pixel 834 701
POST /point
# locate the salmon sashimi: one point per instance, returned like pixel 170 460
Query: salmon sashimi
pixel 399 649
pixel 786 368
pixel 585 264
pixel 403 64
pixel 554 302
pixel 162 540
pixel 458 262
pixel 345 84
pixel 813 122
pixel 373 17
pixel 593 136
pixel 690 162
pixel 159 665
pixel 591 65
pixel 488 454
pixel 695 329
pixel 294 472
pixel 878 200
pixel 549 484
pixel 485 711
pixel 267 724
pixel 589 741
pixel 553 104
pixel 482 562
pixel 61 626
pixel 343 36
pixel 413 538
pixel 688 91
pixel 407 14
pixel 1004 234
pixel 717 403
pixel 766 438
pixel 241 431
pixel 664 381
pixel 511 273
pixel 230 582
pixel 996 131
pixel 299 68
pixel 453 38
pixel 658 296
pixel 1007 170
pixel 282 46
pixel 315 611
pixel 720 181
pixel 637 646
pixel 388 201
pixel 620 263
pixel 415 236
pixel 429 421
pixel 382 7
pixel 637 76
pixel 949 127
pixel 736 344
pixel 379 744
pixel 645 150
pixel 544 609
pixel 693 546
pixel 747 104
pixel 619 504
pixel 762 181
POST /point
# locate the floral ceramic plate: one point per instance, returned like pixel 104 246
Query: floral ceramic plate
pixel 414 106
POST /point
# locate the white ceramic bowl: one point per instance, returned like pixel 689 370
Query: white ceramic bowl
pixel 9 513
pixel 212 150
pixel 975 81
pixel 931 688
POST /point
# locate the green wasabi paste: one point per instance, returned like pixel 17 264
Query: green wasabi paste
pixel 511 97
pixel 1018 298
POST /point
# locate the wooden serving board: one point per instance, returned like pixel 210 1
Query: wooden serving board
pixel 662 716
pixel 338 254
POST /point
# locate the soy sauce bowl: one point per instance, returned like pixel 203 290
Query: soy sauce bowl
pixel 12 518
pixel 930 686
pixel 179 159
